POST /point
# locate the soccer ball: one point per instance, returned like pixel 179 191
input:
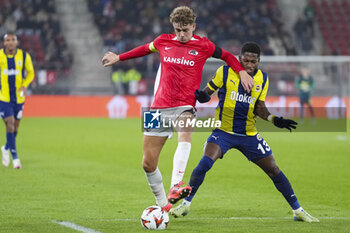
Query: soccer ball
pixel 154 218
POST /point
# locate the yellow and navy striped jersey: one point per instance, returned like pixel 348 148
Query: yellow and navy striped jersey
pixel 236 107
pixel 12 74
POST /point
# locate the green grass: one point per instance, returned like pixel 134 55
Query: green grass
pixel 88 171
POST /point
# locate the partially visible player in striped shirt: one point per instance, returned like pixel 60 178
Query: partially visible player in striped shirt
pixel 17 73
pixel 182 57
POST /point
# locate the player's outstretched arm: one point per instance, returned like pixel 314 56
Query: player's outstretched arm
pixel 110 59
pixel 262 111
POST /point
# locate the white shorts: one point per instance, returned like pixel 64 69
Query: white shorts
pixel 169 115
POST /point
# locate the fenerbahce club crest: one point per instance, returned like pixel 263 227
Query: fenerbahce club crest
pixel 258 137
pixel 257 88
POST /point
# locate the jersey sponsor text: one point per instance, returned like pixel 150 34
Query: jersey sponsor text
pixel 181 61
pixel 242 98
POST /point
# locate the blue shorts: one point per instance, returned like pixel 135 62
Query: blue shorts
pixel 11 109
pixel 253 147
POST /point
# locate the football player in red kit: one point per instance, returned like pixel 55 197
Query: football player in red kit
pixel 182 57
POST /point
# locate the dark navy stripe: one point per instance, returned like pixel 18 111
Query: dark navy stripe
pixel 12 79
pixel 24 62
pixel 264 80
pixel 222 91
pixel 239 121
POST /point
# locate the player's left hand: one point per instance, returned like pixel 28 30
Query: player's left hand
pixel 109 59
pixel 284 123
pixel 246 80
pixel 23 91
pixel 202 96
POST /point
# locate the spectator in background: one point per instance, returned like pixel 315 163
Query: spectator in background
pixel 121 18
pixel 305 84
pixel 38 28
pixel 309 13
pixel 303 34
pixel 117 78
pixel 132 77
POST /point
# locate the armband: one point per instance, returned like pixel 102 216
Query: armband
pixel 270 118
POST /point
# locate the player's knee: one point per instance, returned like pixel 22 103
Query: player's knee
pixel 185 137
pixel 10 127
pixel 274 171
pixel 148 166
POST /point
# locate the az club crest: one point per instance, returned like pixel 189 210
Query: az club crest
pixel 193 52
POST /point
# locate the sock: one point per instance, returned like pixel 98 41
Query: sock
pixel 185 202
pixel 155 182
pixel 282 184
pixel 7 145
pixel 198 175
pixel 181 156
pixel 11 142
pixel 297 211
pixel 311 111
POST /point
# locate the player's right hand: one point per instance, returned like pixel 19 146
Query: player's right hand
pixel 246 80
pixel 284 123
pixel 202 96
pixel 109 59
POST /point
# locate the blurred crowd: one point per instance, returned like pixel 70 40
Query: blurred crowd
pixel 125 24
pixel 38 29
pixel 304 29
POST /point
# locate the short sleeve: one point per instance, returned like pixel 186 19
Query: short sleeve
pixel 152 48
pixel 30 70
pixel 218 78
pixel 211 48
pixel 264 91
pixel 155 44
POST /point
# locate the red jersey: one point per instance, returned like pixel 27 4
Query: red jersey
pixel 181 69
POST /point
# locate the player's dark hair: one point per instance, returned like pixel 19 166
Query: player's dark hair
pixel 251 47
pixel 183 15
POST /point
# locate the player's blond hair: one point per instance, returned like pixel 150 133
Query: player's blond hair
pixel 183 15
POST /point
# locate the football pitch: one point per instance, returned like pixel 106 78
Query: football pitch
pixel 88 174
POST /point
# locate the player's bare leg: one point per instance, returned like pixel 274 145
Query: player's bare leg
pixel 152 146
pixel 211 153
pixel 16 126
pixel 178 189
pixel 269 166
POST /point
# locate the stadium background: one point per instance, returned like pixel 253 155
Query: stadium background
pixel 68 38
pixel 72 91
